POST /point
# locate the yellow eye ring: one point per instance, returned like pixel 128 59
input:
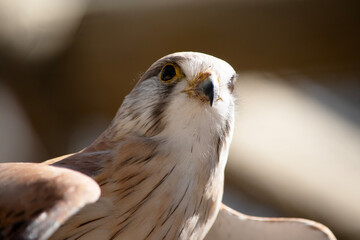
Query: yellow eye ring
pixel 169 72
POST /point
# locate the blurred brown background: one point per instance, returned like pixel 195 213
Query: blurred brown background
pixel 65 67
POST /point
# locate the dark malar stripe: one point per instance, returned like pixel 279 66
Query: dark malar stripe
pixel 157 118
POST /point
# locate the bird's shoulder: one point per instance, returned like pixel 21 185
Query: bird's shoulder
pixel 102 156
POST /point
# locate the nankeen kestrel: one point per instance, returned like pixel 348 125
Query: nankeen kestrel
pixel 157 171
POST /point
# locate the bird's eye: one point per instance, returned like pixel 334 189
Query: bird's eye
pixel 168 72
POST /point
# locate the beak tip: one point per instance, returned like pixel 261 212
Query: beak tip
pixel 211 100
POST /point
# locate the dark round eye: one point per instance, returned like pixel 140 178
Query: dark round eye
pixel 168 72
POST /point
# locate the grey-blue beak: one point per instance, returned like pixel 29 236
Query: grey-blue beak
pixel 207 88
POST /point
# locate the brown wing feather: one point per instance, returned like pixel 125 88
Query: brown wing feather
pixel 36 198
pixel 88 163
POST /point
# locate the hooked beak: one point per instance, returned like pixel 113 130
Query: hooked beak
pixel 205 87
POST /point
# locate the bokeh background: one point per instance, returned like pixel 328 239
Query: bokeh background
pixel 65 67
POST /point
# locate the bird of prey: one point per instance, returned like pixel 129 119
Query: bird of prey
pixel 156 172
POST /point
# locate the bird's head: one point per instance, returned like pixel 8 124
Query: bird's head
pixel 185 91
